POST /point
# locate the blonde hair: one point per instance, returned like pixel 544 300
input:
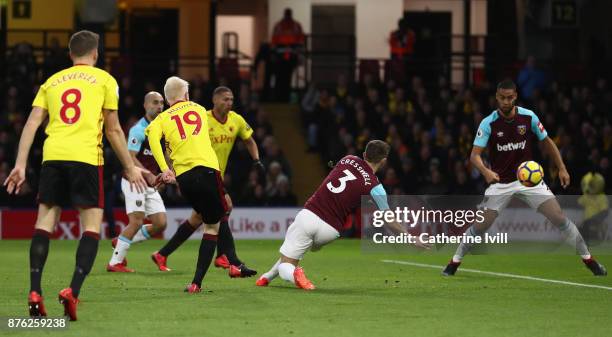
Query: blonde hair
pixel 175 88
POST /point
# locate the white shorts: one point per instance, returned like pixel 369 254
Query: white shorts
pixel 307 231
pixel 149 202
pixel 497 196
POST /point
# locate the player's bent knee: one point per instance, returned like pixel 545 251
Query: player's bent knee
pixel 489 217
pixel 212 229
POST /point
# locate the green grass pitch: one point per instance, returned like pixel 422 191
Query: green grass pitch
pixel 357 295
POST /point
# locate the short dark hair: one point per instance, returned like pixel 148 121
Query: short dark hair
pixel 83 42
pixel 221 90
pixel 376 150
pixel 506 84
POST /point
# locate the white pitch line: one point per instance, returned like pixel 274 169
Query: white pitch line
pixel 523 277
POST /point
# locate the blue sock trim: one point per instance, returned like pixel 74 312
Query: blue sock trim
pixel 565 225
pixel 144 232
pixel 124 239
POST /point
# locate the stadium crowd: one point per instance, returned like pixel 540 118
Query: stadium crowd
pixel 431 129
pixel 247 186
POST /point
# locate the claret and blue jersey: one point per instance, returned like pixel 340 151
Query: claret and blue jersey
pixel 509 141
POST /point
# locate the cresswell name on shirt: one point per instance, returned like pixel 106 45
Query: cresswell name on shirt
pixel 360 169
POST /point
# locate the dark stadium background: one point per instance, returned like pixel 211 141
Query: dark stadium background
pixel 427 106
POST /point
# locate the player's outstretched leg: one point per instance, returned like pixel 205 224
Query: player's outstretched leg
pixel 477 229
pixel 205 256
pixel 183 233
pixel 552 211
pixel 266 278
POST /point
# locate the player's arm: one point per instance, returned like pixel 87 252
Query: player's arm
pixel 476 160
pixel 116 137
pixel 553 151
pixel 379 195
pixel 251 146
pixel 480 143
pixel 154 133
pixel 17 176
pixel 136 139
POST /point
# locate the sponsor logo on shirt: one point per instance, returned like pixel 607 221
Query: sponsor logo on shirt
pixel 511 146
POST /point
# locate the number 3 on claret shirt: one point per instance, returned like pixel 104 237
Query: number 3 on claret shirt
pixel 197 121
pixel 348 176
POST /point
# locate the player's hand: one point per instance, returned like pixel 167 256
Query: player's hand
pixel 422 244
pixel 168 177
pixel 259 166
pixel 15 179
pixel 150 178
pixel 491 177
pixel 135 176
pixel 564 177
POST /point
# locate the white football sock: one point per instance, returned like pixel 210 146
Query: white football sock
pixel 273 272
pixel 573 238
pixel 142 234
pixel 463 247
pixel 123 244
pixel 285 270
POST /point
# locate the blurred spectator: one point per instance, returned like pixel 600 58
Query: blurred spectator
pixel 531 79
pixel 287 42
pixel 401 41
pixel 56 59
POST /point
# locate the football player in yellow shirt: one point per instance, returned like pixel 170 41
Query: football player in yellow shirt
pixel 224 127
pixel 79 101
pixel 184 128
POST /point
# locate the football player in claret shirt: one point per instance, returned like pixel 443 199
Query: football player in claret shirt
pixel 140 205
pixel 224 127
pixel 79 101
pixel 317 224
pixel 184 128
pixel 509 133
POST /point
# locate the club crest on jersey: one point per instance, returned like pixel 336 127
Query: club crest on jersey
pixel 522 129
pixel 231 129
pixel 138 203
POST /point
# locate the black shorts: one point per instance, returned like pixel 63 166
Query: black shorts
pixel 71 183
pixel 203 188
